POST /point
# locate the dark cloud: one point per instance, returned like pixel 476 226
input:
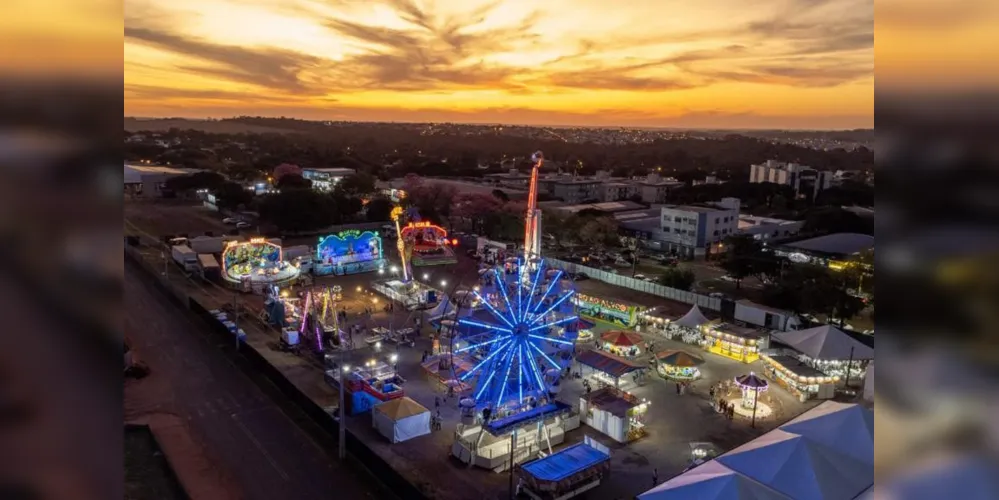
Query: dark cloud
pixel 270 68
pixel 436 52
pixel 167 93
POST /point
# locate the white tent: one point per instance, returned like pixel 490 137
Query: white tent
pixel 799 467
pixel 845 428
pixel 825 342
pixel 711 481
pixel 825 453
pixel 693 319
pixel 401 419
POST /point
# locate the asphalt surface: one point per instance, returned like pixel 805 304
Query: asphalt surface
pixel 248 435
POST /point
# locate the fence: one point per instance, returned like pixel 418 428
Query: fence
pixel 656 289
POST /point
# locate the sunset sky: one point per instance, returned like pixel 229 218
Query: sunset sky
pixel 670 63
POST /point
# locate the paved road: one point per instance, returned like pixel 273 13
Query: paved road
pixel 249 436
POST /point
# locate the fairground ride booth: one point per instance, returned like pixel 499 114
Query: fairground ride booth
pixel 619 415
pixel 607 311
pixel 401 419
pixel 257 265
pixel 810 363
pixel 622 343
pixel 734 342
pixel 606 368
pixel 565 473
pixel 348 252
pixel 430 243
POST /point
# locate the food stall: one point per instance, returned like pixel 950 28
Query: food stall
pixel 798 378
pixel 615 413
pixel 735 342
pixel 605 368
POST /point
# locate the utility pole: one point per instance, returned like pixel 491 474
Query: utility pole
pixel 513 445
pixel 341 369
pixel 756 402
pixel 849 364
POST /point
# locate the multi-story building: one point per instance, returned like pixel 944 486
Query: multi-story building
pixel 578 190
pixel 805 180
pixel 618 191
pixel 693 230
pixel 654 189
pixel 325 179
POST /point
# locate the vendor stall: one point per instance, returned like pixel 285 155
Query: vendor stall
pixel 585 329
pixel 735 342
pixel 566 473
pixel 798 378
pixel 678 365
pixel 621 343
pixel 830 351
pixel 401 419
pixel 606 368
pixel 618 414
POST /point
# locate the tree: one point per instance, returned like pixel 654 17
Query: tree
pixel 293 181
pixel 232 196
pixel 378 209
pixel 679 278
pixel 286 169
pixel 599 232
pixel 740 261
pixel 836 220
pixel 298 211
pixel 358 184
pixel 474 208
pixel 345 207
pixel 501 195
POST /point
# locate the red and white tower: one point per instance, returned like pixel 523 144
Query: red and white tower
pixel 532 226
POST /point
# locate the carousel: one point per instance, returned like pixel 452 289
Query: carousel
pixel 585 329
pixel 678 365
pixel 622 343
pixel 749 405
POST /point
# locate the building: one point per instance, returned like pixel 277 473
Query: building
pixel 149 181
pixel 656 190
pixel 767 229
pixel 578 190
pixel 325 179
pixel 609 208
pixel 827 251
pixel 691 230
pixel 512 179
pixel 806 181
pixel 617 191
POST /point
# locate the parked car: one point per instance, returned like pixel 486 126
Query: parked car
pixel 728 278
pixel 230 220
pixel 580 277
pixel 640 277
pixel 243 225
pixel 716 295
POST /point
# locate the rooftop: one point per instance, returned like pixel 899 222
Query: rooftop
pixel 331 170
pixel 159 169
pixel 613 401
pixel 610 207
pixel 704 209
pixel 839 243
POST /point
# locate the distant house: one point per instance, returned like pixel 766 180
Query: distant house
pixel 149 181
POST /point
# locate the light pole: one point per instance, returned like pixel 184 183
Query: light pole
pixel 342 425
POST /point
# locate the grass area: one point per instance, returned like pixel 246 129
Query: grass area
pixel 148 476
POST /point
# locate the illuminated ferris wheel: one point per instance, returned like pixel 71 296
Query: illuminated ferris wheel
pixel 519 344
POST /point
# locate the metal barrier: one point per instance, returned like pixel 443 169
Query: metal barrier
pixel 702 301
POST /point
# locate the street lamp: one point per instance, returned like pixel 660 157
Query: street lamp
pixel 443 283
pixel 395 269
pixel 426 276
pixel 342 424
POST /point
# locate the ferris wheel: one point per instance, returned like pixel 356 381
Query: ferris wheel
pixel 514 349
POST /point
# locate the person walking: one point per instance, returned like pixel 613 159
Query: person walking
pixel 655 477
pixel 678 388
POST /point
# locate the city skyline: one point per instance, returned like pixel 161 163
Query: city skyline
pixel 795 64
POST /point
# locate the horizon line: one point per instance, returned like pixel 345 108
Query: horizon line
pixel 486 124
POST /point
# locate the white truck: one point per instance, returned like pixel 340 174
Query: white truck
pixel 209 244
pixel 209 267
pixel 185 257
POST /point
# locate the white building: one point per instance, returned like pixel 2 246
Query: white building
pixel 325 179
pixel 691 230
pixel 806 181
pixel 766 228
pixel 149 181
